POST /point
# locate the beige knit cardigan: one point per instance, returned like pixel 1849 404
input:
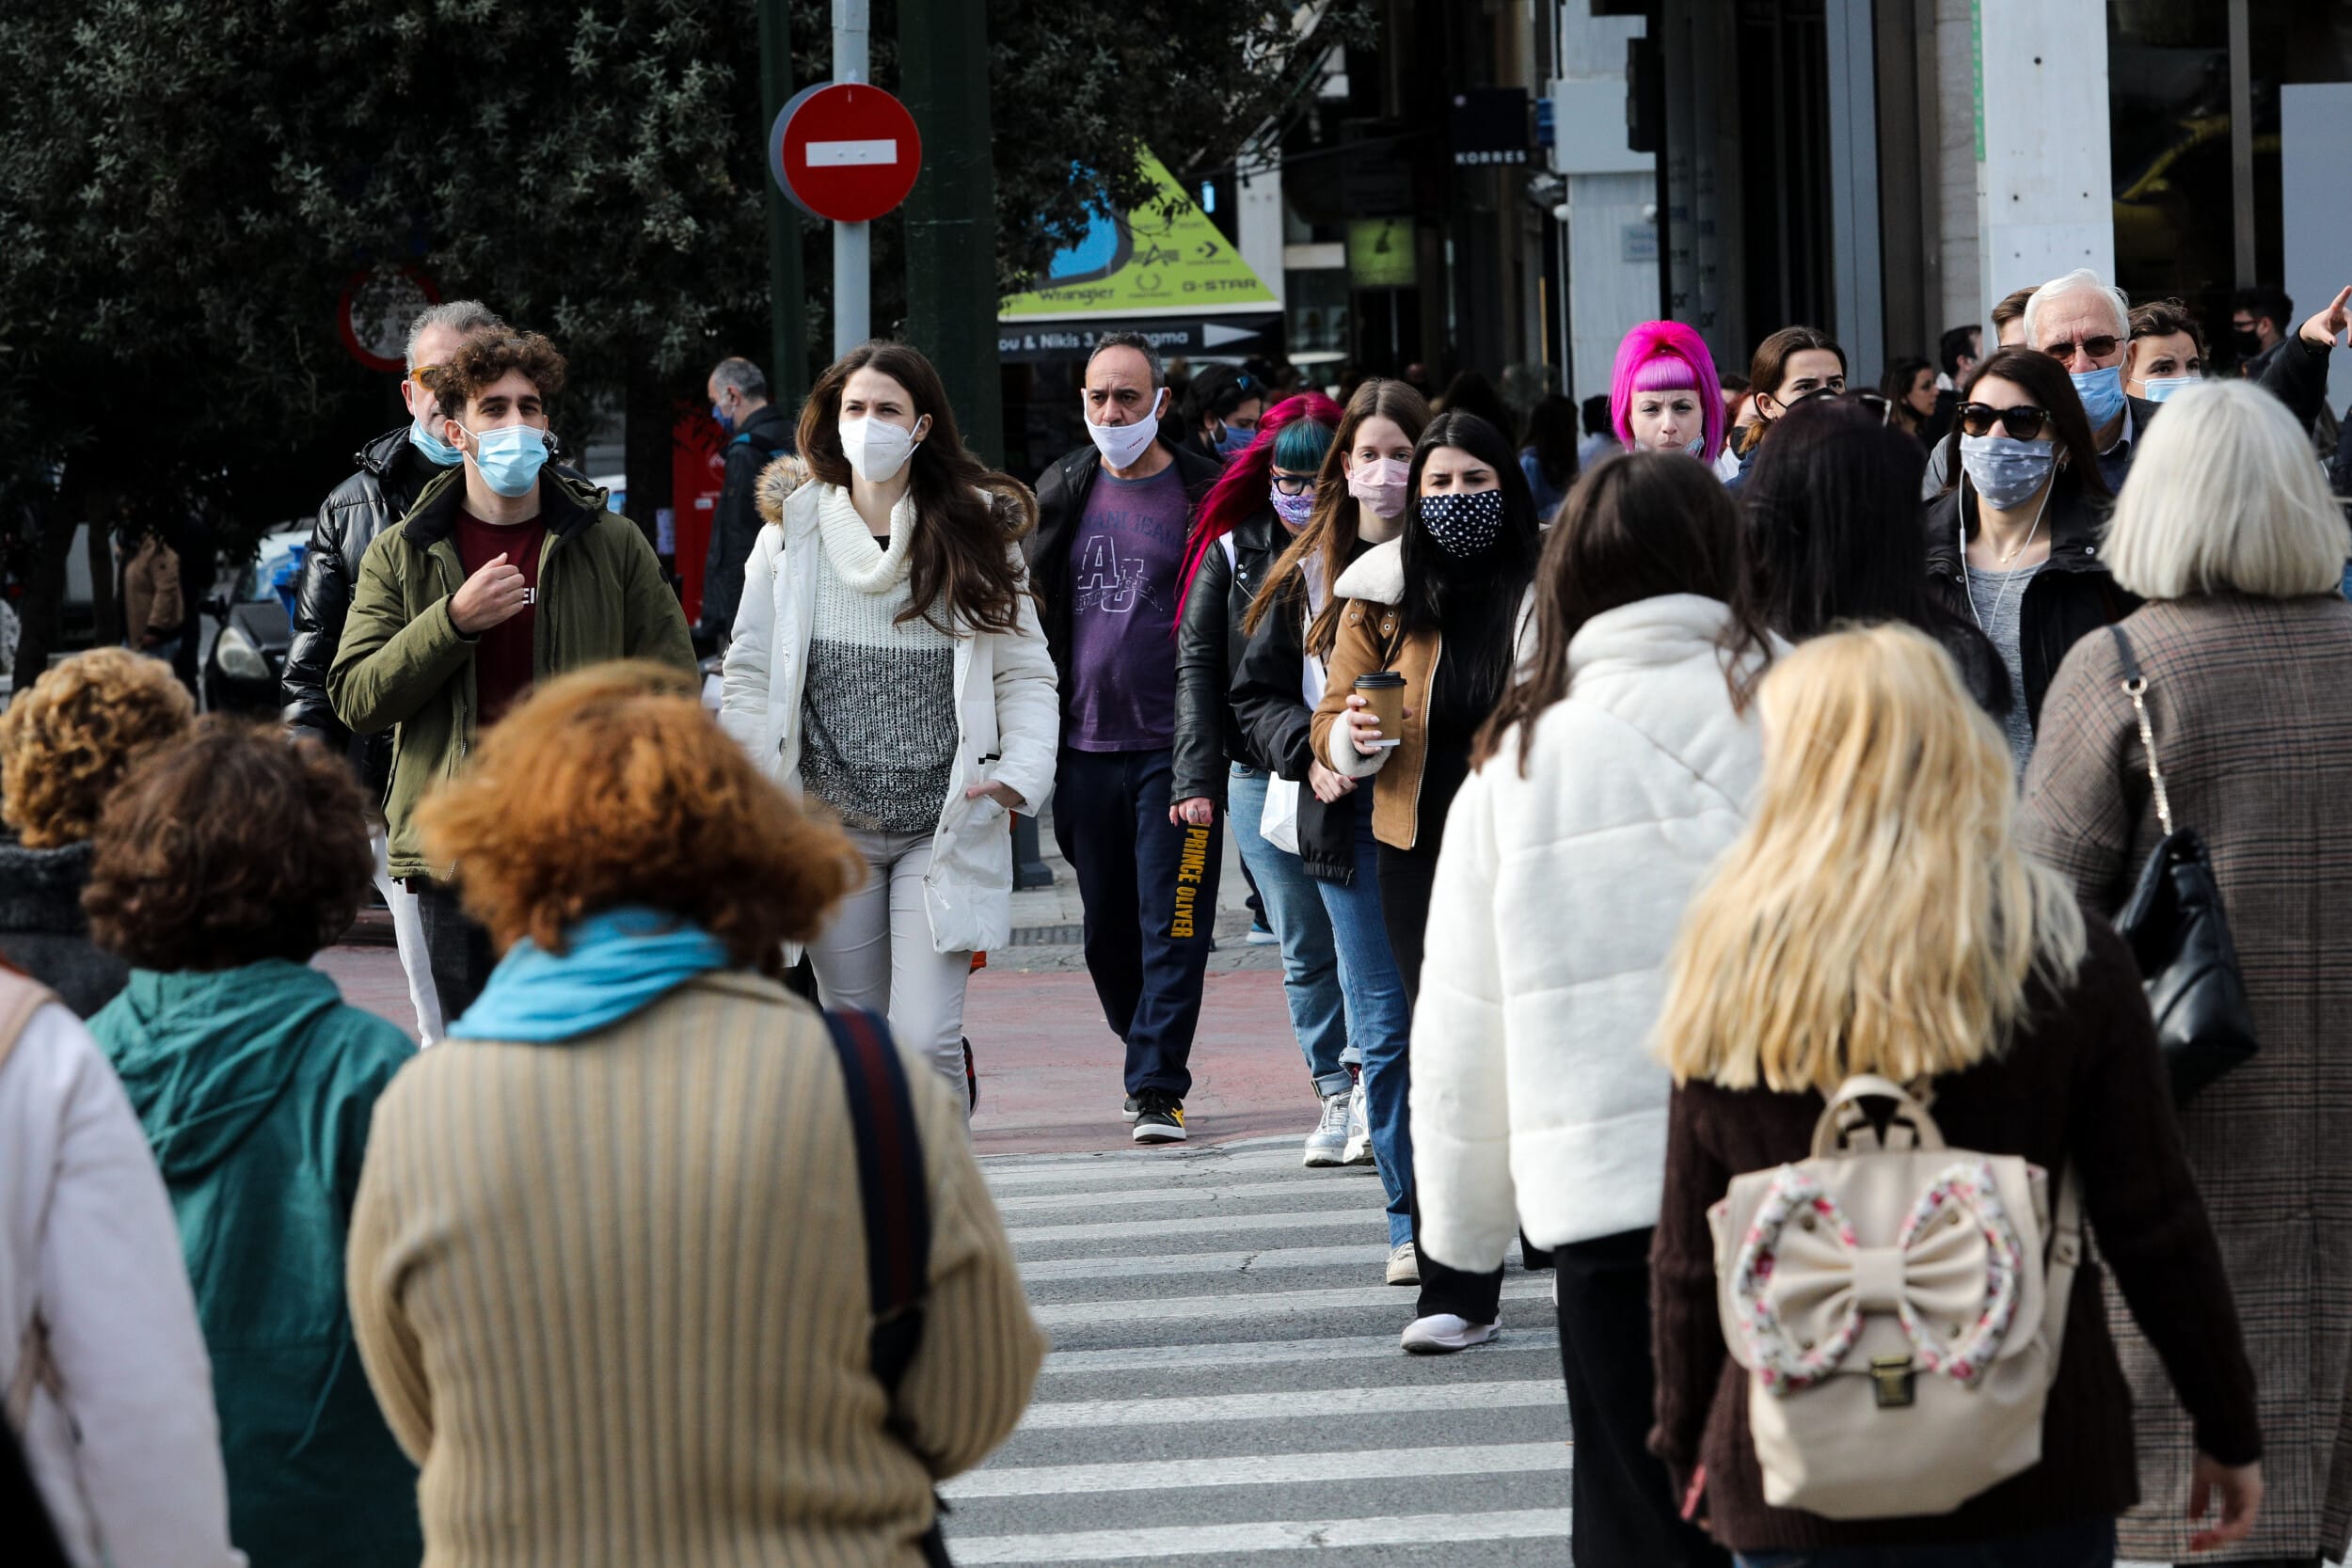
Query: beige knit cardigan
pixel 611 1295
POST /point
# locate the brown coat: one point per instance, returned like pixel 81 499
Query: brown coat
pixel 150 591
pixel 2251 702
pixel 1369 641
pixel 2079 1087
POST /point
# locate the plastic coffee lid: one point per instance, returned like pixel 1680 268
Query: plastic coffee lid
pixel 1380 677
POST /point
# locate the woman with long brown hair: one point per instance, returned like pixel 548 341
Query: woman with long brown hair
pixel 887 661
pixel 1791 365
pixel 1291 626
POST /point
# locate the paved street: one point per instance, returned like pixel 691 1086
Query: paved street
pixel 1225 1384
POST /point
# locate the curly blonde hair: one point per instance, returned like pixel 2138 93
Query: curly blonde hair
pixel 69 740
pixel 612 786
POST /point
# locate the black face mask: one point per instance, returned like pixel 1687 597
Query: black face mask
pixel 2247 342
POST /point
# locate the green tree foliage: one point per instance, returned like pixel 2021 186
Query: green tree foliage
pixel 186 186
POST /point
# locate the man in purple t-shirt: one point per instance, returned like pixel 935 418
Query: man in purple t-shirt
pixel 1108 562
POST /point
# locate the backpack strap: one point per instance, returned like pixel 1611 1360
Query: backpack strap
pixel 890 1186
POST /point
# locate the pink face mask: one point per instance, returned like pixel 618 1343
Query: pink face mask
pixel 1379 484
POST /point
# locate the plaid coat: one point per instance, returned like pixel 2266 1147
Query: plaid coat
pixel 2251 702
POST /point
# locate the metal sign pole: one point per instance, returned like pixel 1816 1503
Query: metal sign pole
pixel 852 263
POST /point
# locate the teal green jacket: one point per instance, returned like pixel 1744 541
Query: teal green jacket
pixel 256 1086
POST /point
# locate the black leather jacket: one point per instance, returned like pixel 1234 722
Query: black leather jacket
pixel 391 473
pixel 1061 500
pixel 734 523
pixel 1209 644
pixel 1276 724
pixel 2068 599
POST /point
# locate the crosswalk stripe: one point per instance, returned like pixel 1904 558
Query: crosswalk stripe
pixel 1256 1303
pixel 1207 1262
pixel 1404 1529
pixel 1259 1470
pixel 1030 1202
pixel 1111 1169
pixel 1210 1225
pixel 1273 1353
pixel 1320 1403
pixel 992 1163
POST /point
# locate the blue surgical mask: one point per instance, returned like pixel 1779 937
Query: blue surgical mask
pixel 1230 442
pixel 510 458
pixel 2102 392
pixel 2005 470
pixel 437 452
pixel 2165 387
pixel 1697 447
pixel 719 412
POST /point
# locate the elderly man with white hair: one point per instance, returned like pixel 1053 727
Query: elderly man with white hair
pixel 2085 324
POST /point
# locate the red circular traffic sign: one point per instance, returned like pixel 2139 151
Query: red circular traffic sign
pixel 845 151
pixel 373 314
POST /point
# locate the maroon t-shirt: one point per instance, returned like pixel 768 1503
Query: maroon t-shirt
pixel 501 656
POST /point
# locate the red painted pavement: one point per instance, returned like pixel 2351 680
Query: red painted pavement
pixel 1051 1073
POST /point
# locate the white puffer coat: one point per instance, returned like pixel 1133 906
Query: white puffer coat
pixel 1537 1102
pixel 1008 718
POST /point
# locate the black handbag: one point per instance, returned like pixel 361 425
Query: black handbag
pixel 2181 936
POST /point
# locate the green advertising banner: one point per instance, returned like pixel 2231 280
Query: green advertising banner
pixel 1164 259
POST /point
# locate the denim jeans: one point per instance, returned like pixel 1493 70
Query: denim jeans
pixel 2089 1543
pixel 1311 970
pixel 1379 1024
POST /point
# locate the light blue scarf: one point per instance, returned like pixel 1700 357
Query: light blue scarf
pixel 615 963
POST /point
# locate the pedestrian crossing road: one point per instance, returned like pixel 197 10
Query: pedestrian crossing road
pixel 1225 1387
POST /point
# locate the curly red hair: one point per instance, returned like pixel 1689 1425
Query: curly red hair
pixel 66 742
pixel 612 786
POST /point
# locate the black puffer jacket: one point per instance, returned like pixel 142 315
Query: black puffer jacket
pixel 392 474
pixel 734 523
pixel 1061 500
pixel 1268 699
pixel 1209 644
pixel 42 930
pixel 2067 599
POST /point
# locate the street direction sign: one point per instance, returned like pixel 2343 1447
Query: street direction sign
pixel 845 151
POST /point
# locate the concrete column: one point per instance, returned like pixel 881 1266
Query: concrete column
pixel 2044 177
pixel 1611 199
pixel 1259 215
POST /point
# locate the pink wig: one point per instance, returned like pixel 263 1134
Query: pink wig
pixel 1666 356
pixel 1241 489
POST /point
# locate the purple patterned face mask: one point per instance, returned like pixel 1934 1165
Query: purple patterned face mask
pixel 1293 510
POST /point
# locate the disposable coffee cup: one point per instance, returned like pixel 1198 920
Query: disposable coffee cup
pixel 1383 693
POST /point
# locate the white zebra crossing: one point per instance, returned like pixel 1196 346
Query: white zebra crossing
pixel 1261 1404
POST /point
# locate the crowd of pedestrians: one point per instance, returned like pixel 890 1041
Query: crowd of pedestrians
pixel 1671 839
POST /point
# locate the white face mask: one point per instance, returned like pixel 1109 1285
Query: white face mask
pixel 1122 444
pixel 876 448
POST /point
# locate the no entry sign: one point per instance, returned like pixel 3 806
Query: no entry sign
pixel 845 151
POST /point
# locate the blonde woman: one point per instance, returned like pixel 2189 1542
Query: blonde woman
pixel 2228 531
pixel 1878 916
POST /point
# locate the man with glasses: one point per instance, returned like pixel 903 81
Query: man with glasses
pixel 393 470
pixel 2084 322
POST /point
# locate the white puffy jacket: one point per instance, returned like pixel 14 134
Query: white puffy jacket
pixel 1537 1102
pixel 127 1450
pixel 1007 720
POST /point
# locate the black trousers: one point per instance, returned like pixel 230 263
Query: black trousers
pixel 1406 877
pixel 457 949
pixel 1625 1511
pixel 1149 888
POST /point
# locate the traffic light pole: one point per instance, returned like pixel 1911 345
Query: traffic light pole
pixel 787 364
pixel 951 214
pixel 852 255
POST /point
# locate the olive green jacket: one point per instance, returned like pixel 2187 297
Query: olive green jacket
pixel 404 666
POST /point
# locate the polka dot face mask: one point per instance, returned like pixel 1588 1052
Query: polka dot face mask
pixel 1463 525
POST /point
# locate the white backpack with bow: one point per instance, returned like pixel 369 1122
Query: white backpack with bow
pixel 1899 1306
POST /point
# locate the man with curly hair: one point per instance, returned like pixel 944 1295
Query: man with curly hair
pixel 503 574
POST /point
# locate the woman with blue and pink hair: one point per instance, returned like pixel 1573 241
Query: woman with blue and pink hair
pixel 1665 396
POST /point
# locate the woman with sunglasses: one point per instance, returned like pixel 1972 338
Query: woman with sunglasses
pixel 1791 365
pixel 2013 545
pixel 1261 501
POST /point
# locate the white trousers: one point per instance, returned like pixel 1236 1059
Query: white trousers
pixel 408 931
pixel 876 954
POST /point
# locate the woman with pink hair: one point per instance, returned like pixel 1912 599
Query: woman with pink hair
pixel 1665 396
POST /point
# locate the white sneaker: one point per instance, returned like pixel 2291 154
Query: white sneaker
pixel 1443 1333
pixel 1326 1143
pixel 1359 1149
pixel 1404 1264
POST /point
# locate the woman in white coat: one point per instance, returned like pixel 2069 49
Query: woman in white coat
pixel 887 662
pixel 109 1387
pixel 1603 788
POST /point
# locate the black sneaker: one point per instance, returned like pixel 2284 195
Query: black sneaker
pixel 1133 1108
pixel 1160 1118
